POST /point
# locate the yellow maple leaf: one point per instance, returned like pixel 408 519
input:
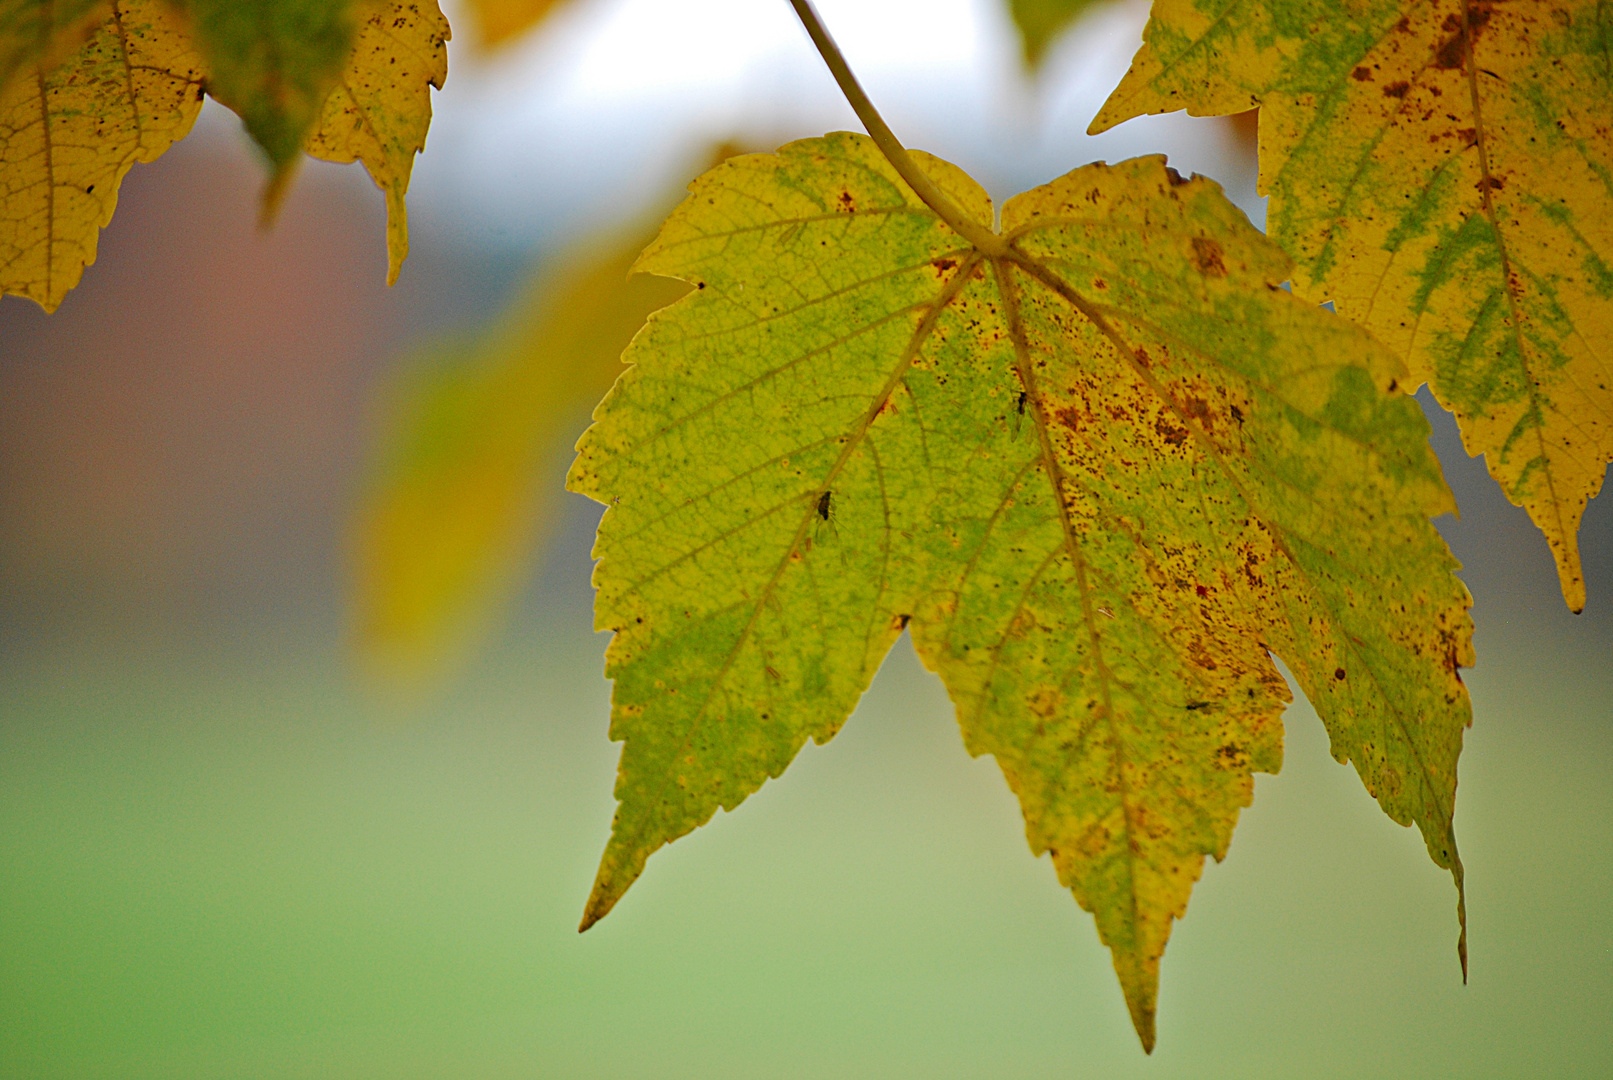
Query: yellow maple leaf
pixel 380 108
pixel 69 134
pixel 1443 172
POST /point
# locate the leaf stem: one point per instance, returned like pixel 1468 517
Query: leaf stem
pixel 987 242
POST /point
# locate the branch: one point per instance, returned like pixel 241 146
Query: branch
pixel 988 242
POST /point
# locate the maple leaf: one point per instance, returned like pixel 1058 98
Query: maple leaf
pixel 1443 172
pixel 69 135
pixel 1100 466
pixel 1041 21
pixel 380 107
pixel 456 505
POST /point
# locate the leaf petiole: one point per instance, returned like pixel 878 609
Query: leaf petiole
pixel 984 239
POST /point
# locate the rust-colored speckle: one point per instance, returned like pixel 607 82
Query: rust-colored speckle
pixel 1396 89
pixel 1338 673
pixel 845 202
pixel 1362 74
pixel 1207 257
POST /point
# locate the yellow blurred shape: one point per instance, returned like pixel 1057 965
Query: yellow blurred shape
pixel 500 21
pixel 457 507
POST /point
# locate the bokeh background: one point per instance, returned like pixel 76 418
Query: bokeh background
pixel 225 853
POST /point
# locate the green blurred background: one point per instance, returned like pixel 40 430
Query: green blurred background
pixel 222 854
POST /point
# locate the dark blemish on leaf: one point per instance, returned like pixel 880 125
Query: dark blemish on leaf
pixel 1176 178
pixel 1394 384
pixel 1021 406
pixel 943 265
pixel 1069 418
pixel 1207 257
pixel 1494 182
pixel 1361 74
pixel 1396 89
pixel 1453 51
pixel 90 190
pixel 772 673
pixel 847 203
pixel 1195 706
pixel 1201 590
pixel 1338 673
pixel 1237 414
pixel 1170 432
pixel 1099 283
pixel 700 284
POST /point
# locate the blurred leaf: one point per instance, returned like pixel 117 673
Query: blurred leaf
pixel 1443 172
pixel 1041 21
pixel 1096 473
pixel 69 135
pixel 273 62
pixel 457 507
pixel 501 21
pixel 40 33
pixel 380 108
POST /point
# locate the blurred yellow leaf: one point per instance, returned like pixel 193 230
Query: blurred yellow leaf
pixel 380 108
pixel 499 21
pixel 69 134
pixel 457 504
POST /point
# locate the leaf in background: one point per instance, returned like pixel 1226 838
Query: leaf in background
pixel 273 62
pixel 501 21
pixel 1041 21
pixel 40 33
pixel 68 136
pixel 380 108
pixel 457 505
pixel 1096 476
pixel 1443 172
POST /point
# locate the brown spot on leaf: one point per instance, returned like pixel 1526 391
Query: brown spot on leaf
pixel 1170 432
pixel 1452 52
pixel 1362 74
pixel 1338 673
pixel 1396 89
pixel 845 202
pixel 943 265
pixel 1207 257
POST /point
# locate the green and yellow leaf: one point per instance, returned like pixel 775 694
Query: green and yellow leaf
pixel 40 33
pixel 69 134
pixel 1041 21
pixel 380 108
pixel 458 504
pixel 1443 172
pixel 1100 476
